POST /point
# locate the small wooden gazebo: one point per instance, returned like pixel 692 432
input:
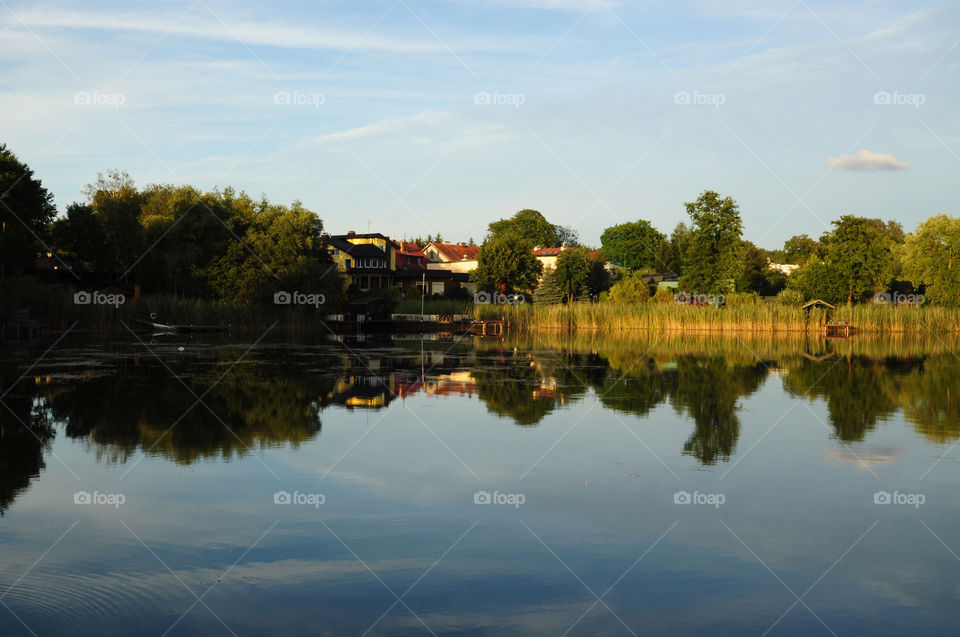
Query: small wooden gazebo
pixel 818 303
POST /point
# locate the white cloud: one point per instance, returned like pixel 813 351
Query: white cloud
pixel 253 33
pixel 866 160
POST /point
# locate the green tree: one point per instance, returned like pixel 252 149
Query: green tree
pixel 861 255
pixel 931 257
pixel 26 209
pixel 117 202
pixel 506 261
pixel 548 292
pixel 714 247
pixel 630 290
pixel 80 235
pixel 534 227
pixel 799 248
pixel 573 273
pixel 635 245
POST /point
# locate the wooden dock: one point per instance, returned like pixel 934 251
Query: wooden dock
pixel 842 330
pixel 487 328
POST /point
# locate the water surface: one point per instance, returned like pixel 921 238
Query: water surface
pixel 341 486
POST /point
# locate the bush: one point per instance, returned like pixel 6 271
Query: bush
pixel 663 295
pixel 790 296
pixel 412 293
pixel 735 299
pixel 630 290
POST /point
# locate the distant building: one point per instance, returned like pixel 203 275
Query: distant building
pixel 450 252
pixel 785 268
pixel 367 261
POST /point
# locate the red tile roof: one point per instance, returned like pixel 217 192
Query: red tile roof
pixel 454 252
pixel 411 249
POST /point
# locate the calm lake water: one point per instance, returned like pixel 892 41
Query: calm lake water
pixel 658 485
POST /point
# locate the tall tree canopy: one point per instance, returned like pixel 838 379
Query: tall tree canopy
pixel 506 261
pixel 931 257
pixel 534 227
pixel 26 209
pixel 711 259
pixel 636 245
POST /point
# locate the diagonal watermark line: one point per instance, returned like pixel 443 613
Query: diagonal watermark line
pixel 159 239
pixel 784 584
pixel 940 540
pixel 619 579
pixel 356 442
pixel 757 41
pixel 43 156
pixel 819 579
pixel 419 579
pixel 560 39
pixel 439 39
pixel 157 41
pixel 357 41
pixel 37 361
pixel 378 578
pixel 599 398
pixel 937 61
pixel 238 38
pixel 199 399
pixel 839 39
pixel 177 577
pixel 38 560
pixel 225 573
pixel 40 440
pixel 582 583
pixel 18 618
pixel 39 39
pixel 640 40
pixel 39 241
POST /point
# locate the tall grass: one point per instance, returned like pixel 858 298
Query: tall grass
pixel 756 317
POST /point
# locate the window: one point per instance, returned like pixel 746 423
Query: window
pixel 348 263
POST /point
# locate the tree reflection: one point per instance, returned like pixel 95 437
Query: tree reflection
pixel 25 433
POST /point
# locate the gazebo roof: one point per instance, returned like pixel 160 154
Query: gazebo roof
pixel 818 303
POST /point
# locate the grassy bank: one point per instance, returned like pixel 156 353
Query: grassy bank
pixel 758 317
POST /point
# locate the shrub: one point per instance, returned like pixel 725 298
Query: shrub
pixel 790 296
pixel 663 295
pixel 630 290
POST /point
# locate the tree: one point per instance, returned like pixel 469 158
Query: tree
pixel 548 292
pixel 599 279
pixel 573 273
pixel 931 257
pixel 635 245
pixel 714 246
pixel 26 209
pixel 506 262
pixel 799 248
pixel 861 255
pixel 755 275
pixel 116 202
pixel 534 227
pixel 630 290
pixel 80 235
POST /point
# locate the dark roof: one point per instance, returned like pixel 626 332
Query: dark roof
pixel 818 303
pixel 355 249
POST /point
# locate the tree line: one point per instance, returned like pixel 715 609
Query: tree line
pixel 225 245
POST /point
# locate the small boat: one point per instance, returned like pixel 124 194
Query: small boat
pixel 189 329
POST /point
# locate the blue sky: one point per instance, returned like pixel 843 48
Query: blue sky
pixel 421 117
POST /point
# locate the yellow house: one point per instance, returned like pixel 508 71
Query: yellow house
pixel 367 261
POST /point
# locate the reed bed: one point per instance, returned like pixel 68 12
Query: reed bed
pixel 756 317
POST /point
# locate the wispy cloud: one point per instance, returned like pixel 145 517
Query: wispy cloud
pixel 251 33
pixel 865 161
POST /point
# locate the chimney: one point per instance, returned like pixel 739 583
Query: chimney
pixel 350 233
pixel 324 235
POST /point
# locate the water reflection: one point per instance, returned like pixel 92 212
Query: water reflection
pixel 222 402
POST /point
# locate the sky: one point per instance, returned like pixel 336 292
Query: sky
pixel 409 118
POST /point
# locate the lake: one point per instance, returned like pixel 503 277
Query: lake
pixel 660 484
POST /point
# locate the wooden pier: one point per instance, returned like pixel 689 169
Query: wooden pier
pixel 487 328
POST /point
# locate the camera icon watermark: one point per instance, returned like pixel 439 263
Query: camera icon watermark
pixel 896 98
pixel 298 298
pixel 696 98
pixel 302 499
pixel 687 298
pixel 498 298
pixel 909 499
pixel 96 98
pixel 497 98
pixel 710 499
pixel 98 298
pixel 298 98
pixel 511 499
pixel 109 499
pixel 898 298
